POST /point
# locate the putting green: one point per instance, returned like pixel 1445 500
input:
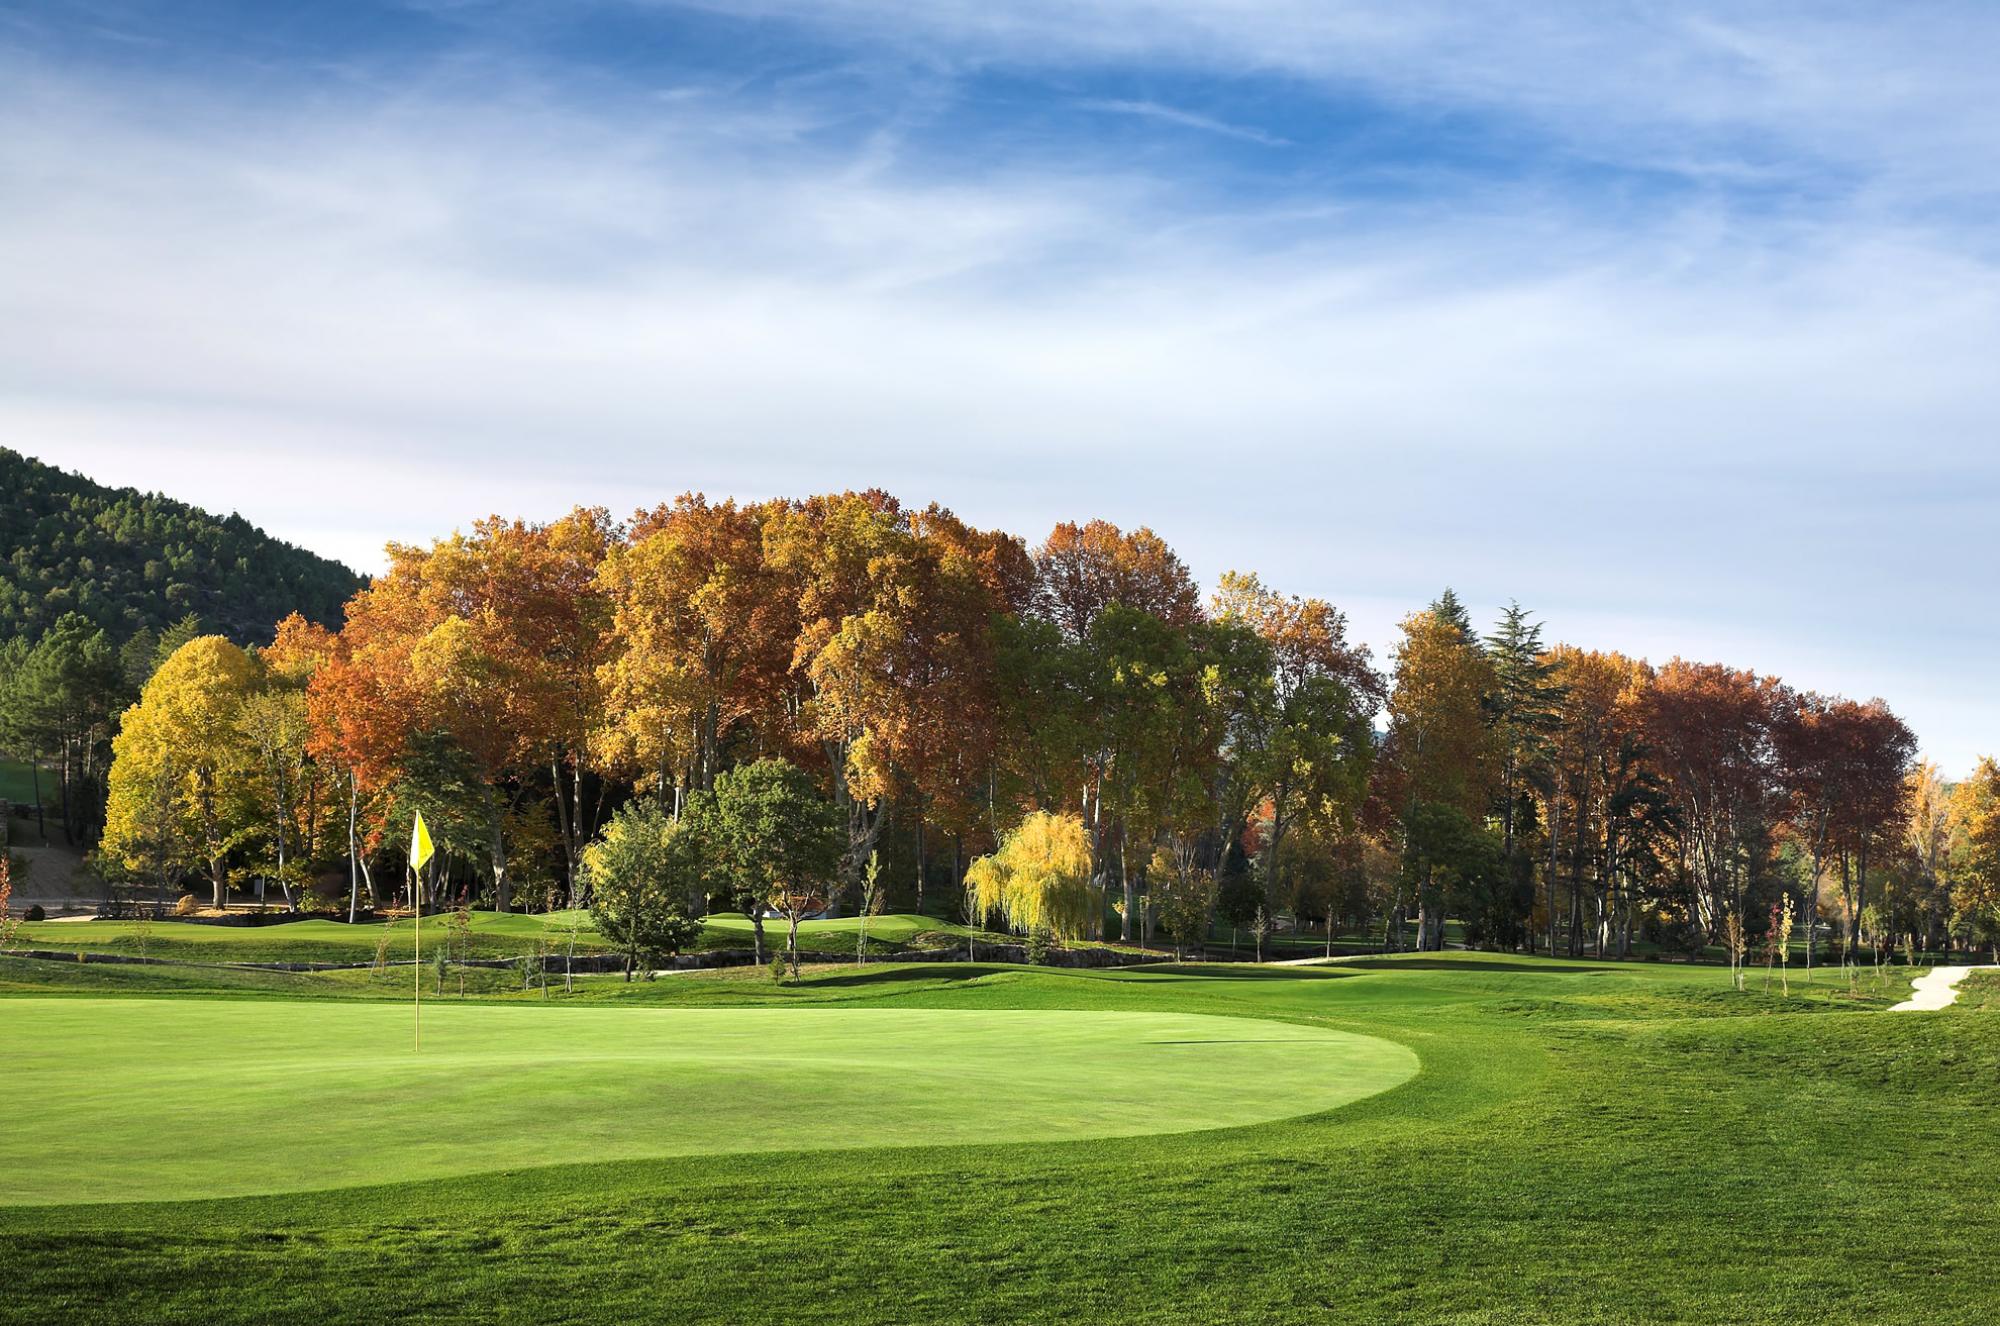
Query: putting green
pixel 138 1099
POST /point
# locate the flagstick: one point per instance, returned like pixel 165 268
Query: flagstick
pixel 417 896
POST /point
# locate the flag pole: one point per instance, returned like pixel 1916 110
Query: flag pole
pixel 417 897
pixel 421 851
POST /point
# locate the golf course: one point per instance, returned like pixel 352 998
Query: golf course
pixel 1449 1138
pixel 629 1084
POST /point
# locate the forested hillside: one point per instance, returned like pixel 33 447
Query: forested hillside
pixel 131 561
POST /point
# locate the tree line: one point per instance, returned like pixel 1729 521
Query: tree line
pixel 1069 737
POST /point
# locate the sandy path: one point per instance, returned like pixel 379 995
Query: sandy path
pixel 1935 989
pixel 1322 960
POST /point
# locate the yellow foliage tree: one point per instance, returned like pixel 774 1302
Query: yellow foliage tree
pixel 1975 894
pixel 1040 878
pixel 179 772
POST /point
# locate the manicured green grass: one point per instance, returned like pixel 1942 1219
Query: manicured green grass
pixel 627 1084
pixel 17 782
pixel 894 928
pixel 1586 1142
pixel 492 935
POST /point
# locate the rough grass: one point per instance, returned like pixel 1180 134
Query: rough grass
pixel 1980 989
pixel 1587 1143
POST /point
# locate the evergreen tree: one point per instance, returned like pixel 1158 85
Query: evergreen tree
pixel 1525 707
pixel 128 561
pixel 1449 609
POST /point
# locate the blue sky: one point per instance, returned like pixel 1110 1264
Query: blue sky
pixel 1675 321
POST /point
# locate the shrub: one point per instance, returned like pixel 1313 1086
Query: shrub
pixel 1039 943
pixel 35 913
pixel 187 906
pixel 778 968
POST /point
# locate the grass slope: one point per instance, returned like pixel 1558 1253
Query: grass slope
pixel 493 935
pixel 1587 1143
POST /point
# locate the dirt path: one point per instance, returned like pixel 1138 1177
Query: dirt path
pixel 55 880
pixel 1935 989
pixel 1322 960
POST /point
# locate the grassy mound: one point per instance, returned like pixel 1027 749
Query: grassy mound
pixel 492 935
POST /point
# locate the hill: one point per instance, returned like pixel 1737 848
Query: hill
pixel 132 561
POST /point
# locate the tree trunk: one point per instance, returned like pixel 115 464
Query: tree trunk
pixel 502 883
pixel 217 876
pixel 1860 890
pixel 353 852
pixel 565 823
pixel 1549 868
pixel 35 775
pixel 68 814
pixel 1127 921
pixel 1812 910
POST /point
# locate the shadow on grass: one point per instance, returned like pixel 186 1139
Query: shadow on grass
pixel 1225 971
pixel 935 971
pixel 1541 967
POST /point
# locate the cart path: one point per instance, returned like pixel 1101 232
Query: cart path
pixel 1935 989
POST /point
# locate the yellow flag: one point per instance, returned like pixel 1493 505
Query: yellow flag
pixel 420 844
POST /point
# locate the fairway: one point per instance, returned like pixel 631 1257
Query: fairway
pixel 141 1099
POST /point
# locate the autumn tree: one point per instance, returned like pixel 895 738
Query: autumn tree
pixel 702 633
pixel 1844 771
pixel 1881 749
pixel 272 726
pixel 1709 729
pixel 1975 811
pixel 488 641
pixel 1607 819
pixel 1308 747
pixel 1039 878
pixel 178 769
pixel 1439 757
pixel 1083 569
pixel 892 680
pixel 1930 843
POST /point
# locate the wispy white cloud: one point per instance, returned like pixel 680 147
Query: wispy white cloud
pixel 1153 110
pixel 1765 432
pixel 1898 91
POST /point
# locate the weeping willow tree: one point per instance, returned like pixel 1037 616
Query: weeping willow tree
pixel 1039 879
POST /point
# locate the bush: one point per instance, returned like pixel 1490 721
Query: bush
pixel 1038 946
pixel 187 906
pixel 35 913
pixel 778 968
